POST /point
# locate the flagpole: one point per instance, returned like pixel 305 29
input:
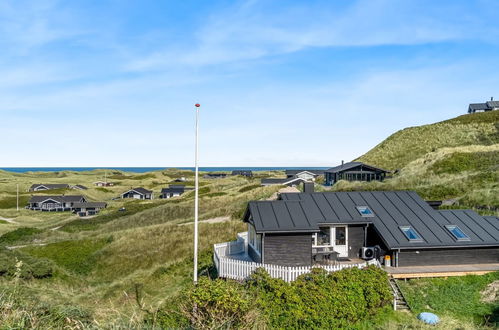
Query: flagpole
pixel 196 201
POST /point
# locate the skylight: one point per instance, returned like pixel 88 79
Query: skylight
pixel 457 233
pixel 365 211
pixel 411 234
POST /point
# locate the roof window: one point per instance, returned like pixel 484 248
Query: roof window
pixel 365 211
pixel 411 234
pixel 457 233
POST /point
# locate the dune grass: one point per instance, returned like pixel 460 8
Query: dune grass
pixel 457 297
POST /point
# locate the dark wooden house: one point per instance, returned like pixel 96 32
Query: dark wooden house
pixel 88 208
pixel 173 190
pixel 354 171
pixel 299 228
pixel 483 107
pixel 54 203
pixel 246 173
pixel 138 193
pixel 215 175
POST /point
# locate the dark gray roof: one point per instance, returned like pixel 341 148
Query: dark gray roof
pixel 50 185
pixel 140 190
pixel 478 106
pixel 270 181
pixel 350 165
pixel 295 172
pixel 79 186
pixel 60 198
pixel 242 172
pixel 303 212
pixel 173 189
pixel 100 205
pixel 493 104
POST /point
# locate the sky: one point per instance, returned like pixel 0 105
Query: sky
pixel 280 83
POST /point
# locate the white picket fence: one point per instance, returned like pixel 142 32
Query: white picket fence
pixel 240 270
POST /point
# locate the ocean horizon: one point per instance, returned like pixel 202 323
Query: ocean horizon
pixel 149 169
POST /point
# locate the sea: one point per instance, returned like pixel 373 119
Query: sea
pixel 148 169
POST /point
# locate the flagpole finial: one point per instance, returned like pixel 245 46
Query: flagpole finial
pixel 197 105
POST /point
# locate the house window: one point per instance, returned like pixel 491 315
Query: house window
pixel 365 211
pixel 411 234
pixel 324 236
pixel 341 236
pixel 457 233
pixel 254 239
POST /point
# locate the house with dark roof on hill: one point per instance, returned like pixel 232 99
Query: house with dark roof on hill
pixel 308 175
pixel 48 186
pixel 354 171
pixel 138 193
pixel 84 209
pixel 482 107
pixel 79 187
pixel 54 203
pixel 173 190
pixel 215 175
pixel 307 229
pixel 246 173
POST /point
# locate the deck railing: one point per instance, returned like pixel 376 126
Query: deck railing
pixel 235 269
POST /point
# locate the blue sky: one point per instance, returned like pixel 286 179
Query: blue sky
pixel 281 83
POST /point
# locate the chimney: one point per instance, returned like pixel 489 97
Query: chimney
pixel 342 162
pixel 492 98
pixel 308 187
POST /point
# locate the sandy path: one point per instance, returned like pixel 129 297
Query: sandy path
pixel 212 220
pixel 8 220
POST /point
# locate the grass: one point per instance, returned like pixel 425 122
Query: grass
pixel 475 129
pixel 76 256
pixel 457 297
pixel 19 235
pixel 467 161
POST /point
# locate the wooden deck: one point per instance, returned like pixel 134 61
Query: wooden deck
pixel 441 271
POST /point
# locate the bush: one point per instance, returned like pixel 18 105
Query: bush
pixel 349 296
pixel 217 304
pixel 31 267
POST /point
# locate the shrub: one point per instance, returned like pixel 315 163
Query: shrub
pixel 31 267
pixel 217 304
pixel 349 296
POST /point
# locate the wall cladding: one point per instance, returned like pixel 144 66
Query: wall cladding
pixel 448 256
pixel 288 249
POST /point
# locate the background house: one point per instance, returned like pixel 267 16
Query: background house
pixel 246 173
pixel 87 208
pixel 103 184
pixel 354 171
pixel 482 107
pixel 215 175
pixel 308 175
pixel 174 190
pixel 138 193
pixel 54 203
pixel 48 186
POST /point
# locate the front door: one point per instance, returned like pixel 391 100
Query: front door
pixel 340 240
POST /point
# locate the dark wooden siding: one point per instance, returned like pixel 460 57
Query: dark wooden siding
pixel 288 249
pixel 448 256
pixel 355 240
pixel 253 255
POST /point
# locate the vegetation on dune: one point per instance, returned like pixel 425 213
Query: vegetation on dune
pixel 76 256
pixel 463 297
pixel 19 235
pixel 411 143
pixel 267 302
